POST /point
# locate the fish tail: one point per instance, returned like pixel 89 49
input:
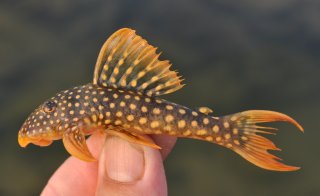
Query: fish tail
pixel 244 137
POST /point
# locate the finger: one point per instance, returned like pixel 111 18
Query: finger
pixel 83 175
pixel 76 177
pixel 129 169
pixel 166 143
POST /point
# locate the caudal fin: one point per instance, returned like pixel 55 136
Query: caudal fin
pixel 252 146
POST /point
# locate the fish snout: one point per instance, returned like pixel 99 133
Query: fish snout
pixel 24 139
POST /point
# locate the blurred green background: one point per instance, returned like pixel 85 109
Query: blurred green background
pixel 234 55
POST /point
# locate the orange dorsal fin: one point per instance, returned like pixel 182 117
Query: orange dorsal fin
pixel 127 61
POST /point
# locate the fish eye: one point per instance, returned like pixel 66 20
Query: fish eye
pixel 49 107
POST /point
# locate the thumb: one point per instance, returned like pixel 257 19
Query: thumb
pixel 129 169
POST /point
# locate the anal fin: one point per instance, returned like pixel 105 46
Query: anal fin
pixel 133 138
pixel 75 143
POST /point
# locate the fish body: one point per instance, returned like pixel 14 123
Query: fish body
pixel 123 100
pixel 93 107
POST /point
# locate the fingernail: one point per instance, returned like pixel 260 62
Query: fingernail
pixel 123 161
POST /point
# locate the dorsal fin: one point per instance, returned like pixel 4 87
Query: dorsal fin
pixel 127 61
pixel 204 110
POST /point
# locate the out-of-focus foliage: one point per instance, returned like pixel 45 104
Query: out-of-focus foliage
pixel 235 55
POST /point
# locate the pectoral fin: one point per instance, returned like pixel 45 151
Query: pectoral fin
pixel 133 138
pixel 75 143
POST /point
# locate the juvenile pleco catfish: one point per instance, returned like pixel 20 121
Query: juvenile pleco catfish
pixel 123 100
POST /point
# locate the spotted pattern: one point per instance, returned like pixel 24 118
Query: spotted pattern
pixel 90 105
pixel 123 100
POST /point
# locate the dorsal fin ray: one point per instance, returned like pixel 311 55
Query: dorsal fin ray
pixel 127 61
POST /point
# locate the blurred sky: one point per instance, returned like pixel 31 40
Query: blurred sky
pixel 234 55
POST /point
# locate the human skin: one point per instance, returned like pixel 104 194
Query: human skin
pixel 122 169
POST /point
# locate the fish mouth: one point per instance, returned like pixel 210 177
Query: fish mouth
pixel 24 141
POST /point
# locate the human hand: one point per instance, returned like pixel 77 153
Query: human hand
pixel 122 169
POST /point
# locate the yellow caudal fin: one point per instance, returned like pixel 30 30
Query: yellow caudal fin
pixel 127 61
pixel 248 142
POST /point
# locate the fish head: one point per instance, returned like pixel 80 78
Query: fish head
pixel 42 126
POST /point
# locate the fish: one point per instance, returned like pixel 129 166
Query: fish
pixel 124 100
